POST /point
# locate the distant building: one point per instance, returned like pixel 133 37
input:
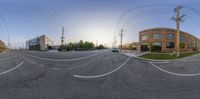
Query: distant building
pixel 39 43
pixel 2 45
pixel 164 40
pixel 131 46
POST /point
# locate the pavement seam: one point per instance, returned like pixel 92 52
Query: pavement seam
pixel 53 67
pixel 65 59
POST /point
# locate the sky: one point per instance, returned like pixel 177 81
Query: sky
pixel 91 20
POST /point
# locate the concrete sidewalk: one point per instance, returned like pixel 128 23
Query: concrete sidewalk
pixel 130 53
pixel 4 52
pixel 136 54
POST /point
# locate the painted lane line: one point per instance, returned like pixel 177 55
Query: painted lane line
pixel 102 75
pixel 28 60
pixel 65 59
pixel 57 68
pixel 172 73
pixel 3 59
pixel 12 68
pixel 32 62
pixel 110 57
pixel 53 68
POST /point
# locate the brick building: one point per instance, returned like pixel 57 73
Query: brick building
pixel 164 40
pixel 2 45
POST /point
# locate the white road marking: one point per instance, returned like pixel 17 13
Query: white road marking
pixel 65 59
pixel 172 73
pixel 57 68
pixel 32 61
pixel 108 73
pixel 28 60
pixel 54 68
pixel 110 57
pixel 12 68
pixel 3 59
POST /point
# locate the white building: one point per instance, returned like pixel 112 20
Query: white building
pixel 40 43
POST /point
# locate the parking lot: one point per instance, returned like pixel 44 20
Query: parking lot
pixel 99 74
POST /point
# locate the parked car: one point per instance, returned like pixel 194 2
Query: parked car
pixel 115 50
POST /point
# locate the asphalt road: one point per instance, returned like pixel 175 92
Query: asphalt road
pixel 95 75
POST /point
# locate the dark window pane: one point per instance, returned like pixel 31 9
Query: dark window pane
pixel 157 36
pixel 170 36
pixel 170 45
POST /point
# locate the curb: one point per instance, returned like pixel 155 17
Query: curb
pixel 155 60
pixel 177 59
pixel 4 52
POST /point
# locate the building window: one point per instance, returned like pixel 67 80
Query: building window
pixel 182 38
pixel 156 43
pixel 144 44
pixel 170 36
pixel 156 46
pixel 170 45
pixel 144 37
pixel 157 36
pixel 182 45
pixel 190 43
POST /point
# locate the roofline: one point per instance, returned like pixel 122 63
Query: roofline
pixel 170 29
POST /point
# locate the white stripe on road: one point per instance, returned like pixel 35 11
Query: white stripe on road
pixel 54 68
pixel 97 76
pixel 28 60
pixel 172 73
pixel 12 68
pixel 110 57
pixel 65 59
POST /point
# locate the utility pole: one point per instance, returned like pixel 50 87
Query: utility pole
pixel 114 44
pixel 62 39
pixel 97 43
pixel 9 46
pixel 37 43
pixel 178 19
pixel 121 34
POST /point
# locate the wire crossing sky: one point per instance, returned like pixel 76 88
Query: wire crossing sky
pixel 91 20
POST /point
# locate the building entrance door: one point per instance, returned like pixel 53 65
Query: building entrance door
pixel 144 48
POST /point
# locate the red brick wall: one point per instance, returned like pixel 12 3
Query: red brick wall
pixel 164 31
